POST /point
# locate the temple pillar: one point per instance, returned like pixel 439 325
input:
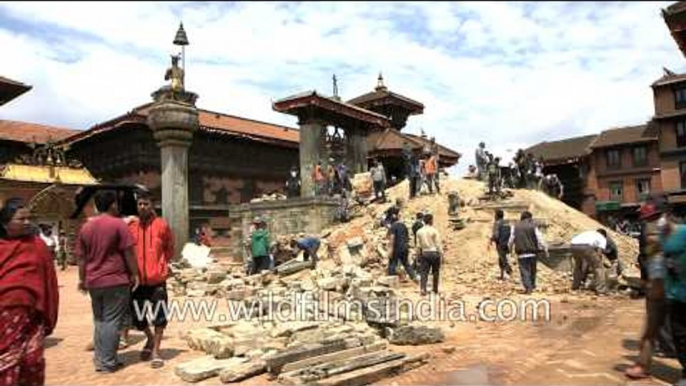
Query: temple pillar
pixel 312 149
pixel 173 120
pixel 356 142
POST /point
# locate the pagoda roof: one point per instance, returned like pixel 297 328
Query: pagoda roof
pixel 11 89
pixel 381 96
pixel 336 110
pixel 392 141
pixel 675 18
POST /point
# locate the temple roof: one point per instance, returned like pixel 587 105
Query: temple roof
pixel 46 174
pixel 392 141
pixel 669 78
pixel 10 89
pixel 210 121
pixel 382 96
pixel 336 109
pixel 675 18
pixel 32 132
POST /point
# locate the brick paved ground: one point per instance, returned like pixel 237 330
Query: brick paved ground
pixel 588 342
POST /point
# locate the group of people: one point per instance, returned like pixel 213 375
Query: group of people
pixel 262 251
pixel 426 240
pixel 422 170
pixel 123 265
pixel 525 172
pixel 333 180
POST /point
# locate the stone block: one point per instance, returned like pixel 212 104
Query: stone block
pixel 215 276
pixel 389 281
pixel 210 341
pixel 416 335
pixel 204 367
pixel 241 371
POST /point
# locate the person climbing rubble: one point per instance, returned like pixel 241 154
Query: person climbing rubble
pixel 494 176
pixel 501 237
pixel 552 186
pixel 528 243
pixel 379 180
pixel 399 242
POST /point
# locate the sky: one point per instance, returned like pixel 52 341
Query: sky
pixel 510 74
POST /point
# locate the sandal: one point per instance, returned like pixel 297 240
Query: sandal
pixel 123 343
pixel 157 363
pixel 146 354
pixel 636 372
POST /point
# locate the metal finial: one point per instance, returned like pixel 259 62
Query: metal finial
pixel 335 86
pixel 379 85
pixel 181 38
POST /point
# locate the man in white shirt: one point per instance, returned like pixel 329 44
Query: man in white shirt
pixel 587 251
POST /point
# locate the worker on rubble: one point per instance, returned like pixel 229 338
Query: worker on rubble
pixel 501 237
pixel 309 246
pixel 379 180
pixel 494 176
pixel 399 241
pixel 528 242
pixel 431 253
pixel 552 186
pixel 587 251
pixel 259 247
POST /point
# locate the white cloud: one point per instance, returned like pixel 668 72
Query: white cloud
pixel 510 74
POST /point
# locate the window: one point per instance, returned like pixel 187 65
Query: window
pixel 682 172
pixel 681 133
pixel 640 156
pixel 613 160
pixel 616 191
pixel 642 188
pixel 680 98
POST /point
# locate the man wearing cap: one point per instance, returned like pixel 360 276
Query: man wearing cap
pixel 259 247
pixel 587 250
pixel 654 220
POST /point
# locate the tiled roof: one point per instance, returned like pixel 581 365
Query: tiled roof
pixel 210 121
pixel 565 149
pixel 624 135
pixel 30 132
pixel 393 140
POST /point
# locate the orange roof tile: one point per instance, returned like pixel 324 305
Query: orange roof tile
pixel 30 132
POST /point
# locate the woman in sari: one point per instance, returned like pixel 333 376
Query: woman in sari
pixel 28 298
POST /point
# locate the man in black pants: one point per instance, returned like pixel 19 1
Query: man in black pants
pixel 528 242
pixel 501 238
pixel 400 239
pixel 430 249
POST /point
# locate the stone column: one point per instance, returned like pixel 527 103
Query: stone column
pixel 173 122
pixel 312 149
pixel 356 141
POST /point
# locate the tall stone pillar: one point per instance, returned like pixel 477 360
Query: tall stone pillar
pixel 173 120
pixel 356 142
pixel 312 149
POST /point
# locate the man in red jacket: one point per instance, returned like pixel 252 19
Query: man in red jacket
pixel 154 251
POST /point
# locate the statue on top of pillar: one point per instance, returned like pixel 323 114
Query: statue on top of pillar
pixel 175 74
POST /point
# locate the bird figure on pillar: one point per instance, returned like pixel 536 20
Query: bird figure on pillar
pixel 175 74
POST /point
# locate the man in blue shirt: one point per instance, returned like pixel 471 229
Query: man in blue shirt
pixel 310 246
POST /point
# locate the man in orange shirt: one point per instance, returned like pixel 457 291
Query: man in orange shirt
pixel 154 250
pixel 430 170
pixel 319 179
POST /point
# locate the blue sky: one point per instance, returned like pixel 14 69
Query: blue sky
pixel 508 73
